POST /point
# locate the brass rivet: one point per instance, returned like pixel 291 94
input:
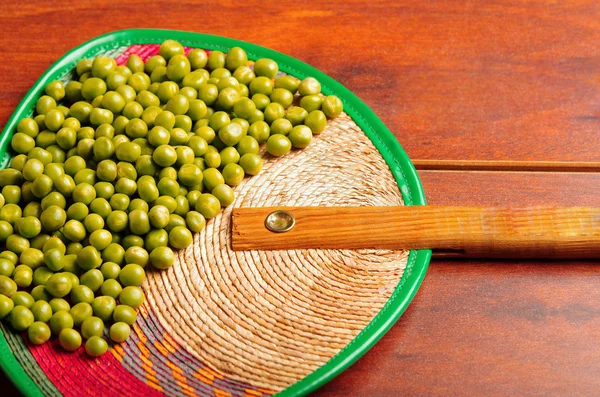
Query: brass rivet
pixel 280 221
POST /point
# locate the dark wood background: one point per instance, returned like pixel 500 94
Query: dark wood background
pixel 454 80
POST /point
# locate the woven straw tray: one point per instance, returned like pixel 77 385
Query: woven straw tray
pixel 251 323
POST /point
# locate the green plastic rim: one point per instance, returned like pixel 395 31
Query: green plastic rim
pixel 398 161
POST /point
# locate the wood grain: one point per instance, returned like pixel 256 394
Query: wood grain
pixel 476 232
pixel 454 80
pixel 441 75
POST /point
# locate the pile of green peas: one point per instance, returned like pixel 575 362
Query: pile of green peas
pixel 141 158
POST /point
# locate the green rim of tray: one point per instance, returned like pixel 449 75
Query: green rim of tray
pixel 398 161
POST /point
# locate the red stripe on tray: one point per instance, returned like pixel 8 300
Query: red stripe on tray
pixel 75 374
pixel 144 51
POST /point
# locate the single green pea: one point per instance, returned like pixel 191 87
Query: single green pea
pixel 17 244
pixel 42 311
pixel 11 213
pixel 53 258
pixel 113 101
pixel 138 222
pixel 160 258
pixel 21 318
pixel 92 279
pixel 113 253
pixel 180 237
pixel 22 298
pixel 115 79
pixel 117 221
pixel 69 339
pixel 38 333
pixel 136 255
pixel 58 304
pixel 230 134
pixel 178 67
pixel 104 190
pixel 93 222
pixel 135 63
pixel 22 143
pixel 251 163
pixel 301 136
pixel 102 66
pixel 156 238
pixel 309 86
pixel 261 85
pixel 139 81
pixel 41 275
pixel 332 106
pixel 132 110
pixel 95 346
pixel 80 312
pixel 82 294
pixel 73 91
pixel 53 198
pixel 28 226
pixel 278 145
pixel 216 60
pixel 92 88
pixel 7 267
pixel 281 126
pixel 128 93
pixel 224 193
pixel 233 174
pixel 311 102
pixel 126 170
pixel 60 320
pixel 124 314
pixel 174 221
pixel 74 231
pixel 119 332
pixel 39 294
pixel 6 306
pixel 259 131
pixel 89 258
pixel 282 96
pixel 170 48
pixel 208 205
pixel 32 258
pixel 138 204
pixel 58 285
pixel 208 93
pixel 6 230
pixel 110 270
pixel 7 286
pixel 206 133
pixel 53 218
pixel 111 288
pixel 56 90
pixel 92 326
pixel 44 104
pixel 103 307
pixel 296 115
pixel 274 111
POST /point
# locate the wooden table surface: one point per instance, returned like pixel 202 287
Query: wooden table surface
pixel 502 80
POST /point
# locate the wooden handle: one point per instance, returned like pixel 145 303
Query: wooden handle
pixel 568 232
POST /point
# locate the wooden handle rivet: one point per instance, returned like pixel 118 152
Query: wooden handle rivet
pixel 280 221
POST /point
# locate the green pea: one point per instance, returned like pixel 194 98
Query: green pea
pixel 58 304
pixel 124 314
pixel 6 306
pixel 301 136
pixel 119 332
pixel 104 306
pixel 80 312
pixel 89 258
pixel 115 79
pixel 136 255
pixel 7 286
pixel 233 174
pixel 38 333
pixel 93 222
pixel 110 270
pixel 69 339
pixel 230 134
pixel 73 91
pixel 92 279
pixel 42 311
pixel 117 221
pixel 178 67
pixel 111 288
pixel 309 86
pixel 259 131
pixel 208 93
pixel 39 294
pixel 311 102
pixel 160 258
pixel 139 81
pixel 95 346
pixel 74 231
pixel 208 205
pixel 282 96
pixel 261 85
pixel 281 126
pixel 22 298
pixel 58 285
pixel 332 106
pixel 6 230
pixel 41 275
pixel 251 163
pixel 82 294
pixel 61 320
pixel 7 267
pixel 21 318
pixel 296 115
pixel 206 133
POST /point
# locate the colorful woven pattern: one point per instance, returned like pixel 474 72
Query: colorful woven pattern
pixel 223 323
